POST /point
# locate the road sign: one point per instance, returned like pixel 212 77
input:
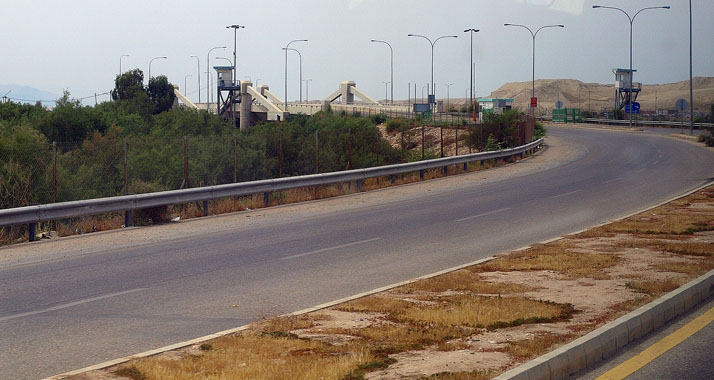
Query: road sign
pixel 635 108
pixel 534 102
pixel 421 107
pixel 432 99
pixel 682 105
pixel 559 104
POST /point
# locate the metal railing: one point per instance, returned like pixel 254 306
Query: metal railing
pixel 675 124
pixel 56 211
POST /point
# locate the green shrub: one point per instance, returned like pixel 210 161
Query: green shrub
pixel 379 118
pixel 397 125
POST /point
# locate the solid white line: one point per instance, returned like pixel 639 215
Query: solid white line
pixel 64 306
pixel 562 195
pixel 484 214
pixel 331 248
pixel 612 180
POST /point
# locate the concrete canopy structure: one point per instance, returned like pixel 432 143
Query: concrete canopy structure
pixel 348 90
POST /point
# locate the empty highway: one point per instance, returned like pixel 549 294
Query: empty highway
pixel 102 300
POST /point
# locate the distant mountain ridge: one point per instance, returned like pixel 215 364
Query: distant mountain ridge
pixel 26 94
pixel 596 97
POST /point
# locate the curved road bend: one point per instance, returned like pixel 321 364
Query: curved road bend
pixel 63 314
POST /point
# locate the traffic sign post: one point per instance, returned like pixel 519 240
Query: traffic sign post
pixel 558 104
pixel 534 102
pixel 634 109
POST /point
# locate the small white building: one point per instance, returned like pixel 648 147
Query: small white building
pixel 493 105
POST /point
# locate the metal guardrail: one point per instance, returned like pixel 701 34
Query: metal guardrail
pixel 55 211
pixel 674 124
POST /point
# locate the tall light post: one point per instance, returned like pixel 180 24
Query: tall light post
pixel 391 64
pixel 471 72
pixel 534 44
pixel 433 92
pixel 691 73
pixel 185 85
pixel 386 91
pixel 198 71
pixel 235 38
pixel 307 90
pixel 300 59
pixel 152 60
pixel 257 81
pixel 285 104
pixel 448 98
pixel 632 20
pixel 208 72
pixel 120 70
pixel 227 60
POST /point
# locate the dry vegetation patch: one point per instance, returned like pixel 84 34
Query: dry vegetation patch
pixel 469 324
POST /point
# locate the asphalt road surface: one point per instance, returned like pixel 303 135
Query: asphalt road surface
pixel 66 313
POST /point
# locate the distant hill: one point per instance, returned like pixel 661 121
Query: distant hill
pixel 25 94
pixel 595 96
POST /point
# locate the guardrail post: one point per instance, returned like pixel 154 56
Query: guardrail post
pixel 127 218
pixel 358 185
pixel 393 178
pixel 466 166
pixel 32 231
pixel 421 175
pixel 266 199
pixel 206 210
pixel 446 171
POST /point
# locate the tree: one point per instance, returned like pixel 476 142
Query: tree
pixel 128 85
pixel 161 93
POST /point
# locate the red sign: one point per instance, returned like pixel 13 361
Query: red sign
pixel 534 102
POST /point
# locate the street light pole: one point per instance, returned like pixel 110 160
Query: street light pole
pixel 691 73
pixel 534 45
pixel 235 38
pixel 185 86
pixel 391 65
pixel 448 97
pixel 198 65
pixel 433 91
pixel 285 104
pixel 632 21
pixel 386 91
pixel 300 60
pixel 208 73
pixel 152 60
pixel 120 70
pixel 307 90
pixel 471 71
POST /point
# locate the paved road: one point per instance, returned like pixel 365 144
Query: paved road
pixel 690 360
pixel 68 313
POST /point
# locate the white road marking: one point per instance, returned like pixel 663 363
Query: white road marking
pixel 612 180
pixel 566 194
pixel 484 214
pixel 331 248
pixel 71 304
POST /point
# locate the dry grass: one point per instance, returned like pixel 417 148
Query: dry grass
pixel 464 280
pixel 681 248
pixel 464 310
pixel 655 288
pixel 260 357
pixel 692 269
pixel 395 338
pixel 475 375
pixel 556 257
pixel 540 344
pixel 290 323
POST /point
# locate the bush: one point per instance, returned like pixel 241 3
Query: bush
pixel 707 139
pixel 540 131
pixel 397 125
pixel 379 118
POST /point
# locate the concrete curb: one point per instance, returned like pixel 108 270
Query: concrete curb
pixel 605 341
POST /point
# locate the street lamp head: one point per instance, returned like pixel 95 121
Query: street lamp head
pixel 560 26
pixel 472 30
pixel 666 7
pixel 235 26
pixel 507 24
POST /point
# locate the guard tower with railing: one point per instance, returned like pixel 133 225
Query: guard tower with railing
pixel 229 93
pixel 626 90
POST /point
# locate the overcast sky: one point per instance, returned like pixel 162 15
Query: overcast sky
pixel 76 44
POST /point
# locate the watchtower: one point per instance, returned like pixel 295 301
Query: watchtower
pixel 228 93
pixel 624 93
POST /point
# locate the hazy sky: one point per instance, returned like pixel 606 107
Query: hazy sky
pixel 76 44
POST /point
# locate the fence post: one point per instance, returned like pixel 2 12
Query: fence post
pixel 402 143
pixel 235 159
pixel 471 137
pixel 54 179
pixel 441 132
pixel 457 139
pixel 280 152
pixel 186 180
pixel 422 142
pixel 317 151
pixel 126 167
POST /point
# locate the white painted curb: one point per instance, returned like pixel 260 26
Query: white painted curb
pixel 605 341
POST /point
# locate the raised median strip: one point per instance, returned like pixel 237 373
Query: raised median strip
pixel 478 320
pixel 606 340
